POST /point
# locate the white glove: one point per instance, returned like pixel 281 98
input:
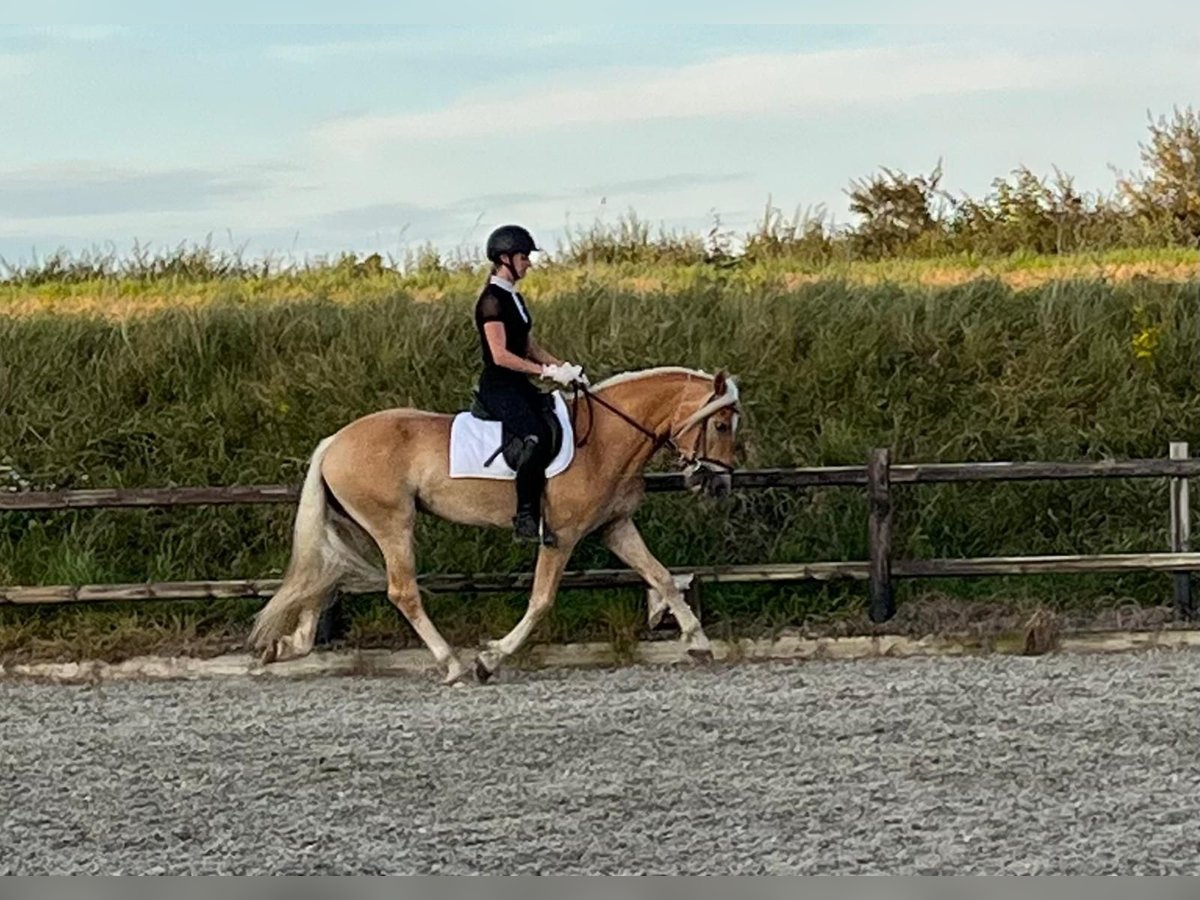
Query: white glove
pixel 563 374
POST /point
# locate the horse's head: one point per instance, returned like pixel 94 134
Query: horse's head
pixel 705 436
pixel 698 421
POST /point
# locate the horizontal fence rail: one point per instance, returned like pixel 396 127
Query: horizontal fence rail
pixel 609 578
pixel 656 482
pixel 879 477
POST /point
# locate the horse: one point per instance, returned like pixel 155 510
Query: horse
pixel 366 483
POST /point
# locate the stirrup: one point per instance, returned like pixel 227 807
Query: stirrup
pixel 525 528
pixel 528 529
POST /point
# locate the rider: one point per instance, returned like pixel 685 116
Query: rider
pixel 510 355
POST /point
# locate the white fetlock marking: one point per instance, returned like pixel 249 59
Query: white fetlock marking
pixel 656 604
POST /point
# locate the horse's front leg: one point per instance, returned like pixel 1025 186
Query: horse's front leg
pixel 548 573
pixel 623 539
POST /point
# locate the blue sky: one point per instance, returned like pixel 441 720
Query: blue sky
pixel 305 140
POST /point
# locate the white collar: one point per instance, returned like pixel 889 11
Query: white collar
pixel 504 283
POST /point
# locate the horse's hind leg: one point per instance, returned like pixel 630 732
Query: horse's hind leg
pixel 402 590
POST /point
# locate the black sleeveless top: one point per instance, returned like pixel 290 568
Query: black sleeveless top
pixel 496 304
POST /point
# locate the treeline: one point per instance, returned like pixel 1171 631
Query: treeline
pixel 901 215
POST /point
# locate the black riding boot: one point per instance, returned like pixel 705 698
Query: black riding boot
pixel 527 523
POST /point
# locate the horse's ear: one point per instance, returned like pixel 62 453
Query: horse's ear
pixel 719 383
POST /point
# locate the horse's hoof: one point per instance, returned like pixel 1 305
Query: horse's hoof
pixel 455 676
pixel 701 654
pixel 482 673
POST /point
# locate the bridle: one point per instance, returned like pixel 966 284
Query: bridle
pixel 697 459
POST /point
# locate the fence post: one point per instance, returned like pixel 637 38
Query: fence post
pixel 1181 534
pixel 879 534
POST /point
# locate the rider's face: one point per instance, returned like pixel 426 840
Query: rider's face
pixel 520 264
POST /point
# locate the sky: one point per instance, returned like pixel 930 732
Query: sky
pixel 312 138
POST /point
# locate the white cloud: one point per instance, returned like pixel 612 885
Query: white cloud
pixel 66 191
pixel 417 45
pixel 80 34
pixel 309 54
pixel 732 86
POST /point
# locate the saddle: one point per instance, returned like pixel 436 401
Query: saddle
pixel 517 448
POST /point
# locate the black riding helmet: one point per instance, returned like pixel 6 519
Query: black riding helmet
pixel 507 240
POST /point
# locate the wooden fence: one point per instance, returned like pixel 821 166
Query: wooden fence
pixel 879 477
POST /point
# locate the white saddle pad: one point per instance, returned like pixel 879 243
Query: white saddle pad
pixel 473 440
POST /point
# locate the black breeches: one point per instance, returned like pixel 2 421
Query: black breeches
pixel 519 410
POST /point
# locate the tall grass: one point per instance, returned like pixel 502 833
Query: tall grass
pixel 235 392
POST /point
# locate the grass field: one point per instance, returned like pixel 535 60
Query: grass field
pixel 221 376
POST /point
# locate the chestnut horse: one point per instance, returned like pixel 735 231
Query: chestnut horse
pixel 366 483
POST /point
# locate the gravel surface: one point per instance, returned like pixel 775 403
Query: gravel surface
pixel 1057 764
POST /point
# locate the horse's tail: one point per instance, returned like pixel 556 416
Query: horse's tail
pixel 328 551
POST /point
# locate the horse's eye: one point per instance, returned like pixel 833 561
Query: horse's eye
pixel 722 427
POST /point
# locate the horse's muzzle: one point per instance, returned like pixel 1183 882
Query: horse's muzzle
pixel 700 478
pixel 719 484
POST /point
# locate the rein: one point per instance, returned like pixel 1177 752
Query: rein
pixel 590 399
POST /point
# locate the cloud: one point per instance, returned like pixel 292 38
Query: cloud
pixel 731 86
pixel 662 184
pixel 423 45
pixel 490 201
pixel 87 190
pixel 79 34
pixel 463 213
pixel 381 215
pixel 309 54
pixel 454 222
